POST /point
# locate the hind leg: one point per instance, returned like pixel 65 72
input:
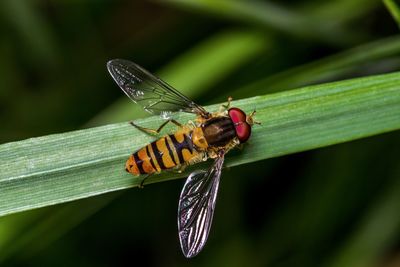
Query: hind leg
pixel 180 168
pixel 141 185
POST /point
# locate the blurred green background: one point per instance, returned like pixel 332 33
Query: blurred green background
pixel 336 206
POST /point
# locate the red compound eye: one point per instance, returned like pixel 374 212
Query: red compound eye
pixel 243 129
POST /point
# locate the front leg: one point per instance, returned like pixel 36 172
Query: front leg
pixel 153 131
pixel 227 106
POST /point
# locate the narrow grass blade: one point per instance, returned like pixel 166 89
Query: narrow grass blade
pixel 340 11
pixel 338 65
pixel 393 9
pixel 272 16
pixel 57 168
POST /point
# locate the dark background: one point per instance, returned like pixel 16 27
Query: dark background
pixel 336 206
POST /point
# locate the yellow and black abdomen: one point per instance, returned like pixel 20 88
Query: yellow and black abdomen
pixel 165 153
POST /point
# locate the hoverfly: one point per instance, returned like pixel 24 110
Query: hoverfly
pixel 211 135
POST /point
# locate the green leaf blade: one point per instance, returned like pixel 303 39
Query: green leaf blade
pixel 63 167
pixel 393 9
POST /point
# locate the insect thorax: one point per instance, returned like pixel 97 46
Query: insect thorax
pixel 219 131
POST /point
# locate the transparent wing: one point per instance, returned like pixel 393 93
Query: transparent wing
pixel 153 94
pixel 196 208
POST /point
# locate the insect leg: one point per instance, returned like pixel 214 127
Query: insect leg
pixel 141 185
pixel 176 123
pixel 155 132
pixel 180 168
pixel 228 105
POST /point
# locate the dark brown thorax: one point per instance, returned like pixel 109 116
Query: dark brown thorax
pixel 219 131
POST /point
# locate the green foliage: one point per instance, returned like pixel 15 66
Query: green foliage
pixel 334 206
pixel 393 9
pixel 68 166
pixel 272 16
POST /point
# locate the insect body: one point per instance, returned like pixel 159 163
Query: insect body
pixel 187 146
pixel 168 152
pixel 211 135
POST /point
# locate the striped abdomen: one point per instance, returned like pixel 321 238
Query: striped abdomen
pixel 165 153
